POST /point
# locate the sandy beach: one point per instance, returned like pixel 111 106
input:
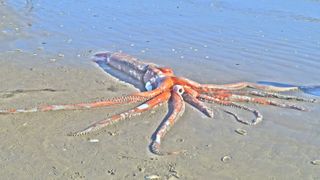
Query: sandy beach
pixel 45 59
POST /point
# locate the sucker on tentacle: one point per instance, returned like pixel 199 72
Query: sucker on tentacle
pixel 138 97
pixel 161 85
pixel 280 96
pixel 153 103
pixel 239 98
pixel 242 85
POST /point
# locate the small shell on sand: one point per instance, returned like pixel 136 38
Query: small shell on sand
pixel 151 177
pixel 226 159
pixel 316 162
pixel 241 132
pixel 93 140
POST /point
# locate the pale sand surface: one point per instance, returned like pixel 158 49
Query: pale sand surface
pixel 36 145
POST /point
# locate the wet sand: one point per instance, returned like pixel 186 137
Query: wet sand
pixel 38 58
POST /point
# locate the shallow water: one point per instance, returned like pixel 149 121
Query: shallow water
pixel 208 41
pixel 225 35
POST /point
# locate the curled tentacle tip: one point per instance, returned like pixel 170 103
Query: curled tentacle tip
pixel 300 108
pixel 155 149
pixel 210 114
pixel 304 109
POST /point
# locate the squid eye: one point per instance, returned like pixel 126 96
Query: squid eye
pixel 180 90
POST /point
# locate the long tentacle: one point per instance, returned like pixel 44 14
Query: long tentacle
pixel 280 96
pixel 257 114
pixel 242 85
pixel 178 107
pixel 263 101
pixel 255 121
pixel 152 103
pixel 216 92
pixel 137 97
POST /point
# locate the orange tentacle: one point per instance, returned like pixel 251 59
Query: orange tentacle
pixel 178 107
pixel 263 101
pixel 152 103
pixel 190 96
pixel 136 97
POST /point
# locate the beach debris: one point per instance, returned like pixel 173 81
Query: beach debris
pixel 316 162
pixel 77 175
pixel 180 140
pixel 111 172
pixel 93 140
pixel 141 169
pixel 209 145
pixel 151 177
pixel 173 172
pixel 226 159
pixel 241 132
